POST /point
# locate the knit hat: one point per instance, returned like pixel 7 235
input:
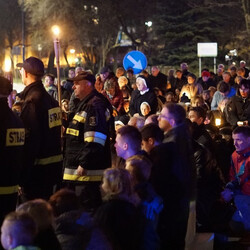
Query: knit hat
pixel 205 73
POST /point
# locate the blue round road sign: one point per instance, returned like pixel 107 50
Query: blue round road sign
pixel 135 60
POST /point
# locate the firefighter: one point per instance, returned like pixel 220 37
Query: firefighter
pixel 12 136
pixel 87 152
pixel 41 116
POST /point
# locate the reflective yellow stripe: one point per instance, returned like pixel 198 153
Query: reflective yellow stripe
pixel 71 131
pixel 79 118
pixel 9 190
pixel 92 175
pixel 69 177
pixel 15 137
pixel 92 136
pixel 49 160
pixel 71 171
pixel 55 117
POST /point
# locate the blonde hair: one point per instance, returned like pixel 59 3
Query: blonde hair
pixel 141 168
pixel 118 183
pixel 122 81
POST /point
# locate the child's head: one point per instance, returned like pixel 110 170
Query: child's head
pixel 40 210
pixel 139 167
pixel 116 183
pixel 17 229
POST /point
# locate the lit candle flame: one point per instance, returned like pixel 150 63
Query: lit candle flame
pixel 217 121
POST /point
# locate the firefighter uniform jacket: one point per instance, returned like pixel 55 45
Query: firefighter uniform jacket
pixel 12 135
pixel 87 139
pixel 41 116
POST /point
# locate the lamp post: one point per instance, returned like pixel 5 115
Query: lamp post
pixel 9 76
pixel 23 30
pixel 56 32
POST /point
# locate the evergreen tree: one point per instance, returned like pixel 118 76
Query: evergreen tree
pixel 180 26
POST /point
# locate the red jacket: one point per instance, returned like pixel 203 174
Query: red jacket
pixel 117 100
pixel 238 159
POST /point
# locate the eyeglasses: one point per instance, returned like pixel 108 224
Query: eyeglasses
pixel 164 117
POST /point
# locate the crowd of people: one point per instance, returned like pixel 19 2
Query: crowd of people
pixel 119 163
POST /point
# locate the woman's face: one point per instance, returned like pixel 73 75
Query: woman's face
pixel 244 92
pixel 145 109
pixel 190 80
pixel 140 85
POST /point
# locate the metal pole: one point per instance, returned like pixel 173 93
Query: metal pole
pixel 23 30
pixel 199 66
pixel 215 65
pixel 57 51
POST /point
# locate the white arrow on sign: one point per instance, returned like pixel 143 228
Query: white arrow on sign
pixel 137 65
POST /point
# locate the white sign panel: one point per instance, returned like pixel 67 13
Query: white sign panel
pixel 207 49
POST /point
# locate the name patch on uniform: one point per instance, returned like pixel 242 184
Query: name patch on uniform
pixel 80 117
pixel 15 137
pixel 71 131
pixel 55 117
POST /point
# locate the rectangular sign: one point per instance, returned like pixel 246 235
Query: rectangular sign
pixel 207 49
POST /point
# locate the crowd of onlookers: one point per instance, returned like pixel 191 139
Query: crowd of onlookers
pixel 173 145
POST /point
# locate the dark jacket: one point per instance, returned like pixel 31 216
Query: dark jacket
pixel 207 84
pixel 52 90
pixel 160 81
pixel 75 230
pixel 137 99
pixel 120 220
pixel 87 139
pixel 183 154
pixel 41 116
pixel 209 185
pixel 172 177
pixel 179 83
pixel 12 136
pixel 201 135
pixel 46 240
pixel 238 109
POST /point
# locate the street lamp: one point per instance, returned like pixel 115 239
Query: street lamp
pixel 56 31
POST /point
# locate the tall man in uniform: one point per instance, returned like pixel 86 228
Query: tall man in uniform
pixel 41 116
pixel 87 152
pixel 12 136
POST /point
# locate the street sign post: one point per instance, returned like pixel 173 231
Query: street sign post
pixel 135 60
pixel 207 50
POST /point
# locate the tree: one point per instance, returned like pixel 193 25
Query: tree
pixel 93 25
pixel 10 26
pixel 84 24
pixel 179 27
